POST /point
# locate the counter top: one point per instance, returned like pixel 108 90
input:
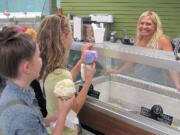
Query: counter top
pixel 138 121
pixel 148 56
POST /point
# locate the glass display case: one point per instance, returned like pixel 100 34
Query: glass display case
pixel 139 93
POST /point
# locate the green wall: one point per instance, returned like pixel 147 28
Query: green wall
pixel 126 12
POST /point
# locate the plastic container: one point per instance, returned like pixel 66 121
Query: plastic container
pixel 90 56
pixel 99 35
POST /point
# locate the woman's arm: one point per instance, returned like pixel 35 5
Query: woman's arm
pixel 80 99
pixel 125 67
pixel 50 119
pixel 165 43
pixel 167 46
pixel 175 77
pixel 76 69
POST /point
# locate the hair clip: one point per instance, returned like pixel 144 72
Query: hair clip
pixel 59 12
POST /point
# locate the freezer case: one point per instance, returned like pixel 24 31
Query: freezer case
pixel 118 111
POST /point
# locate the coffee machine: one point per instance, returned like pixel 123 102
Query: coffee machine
pixel 82 28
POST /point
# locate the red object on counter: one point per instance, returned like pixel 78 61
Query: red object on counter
pixel 6 13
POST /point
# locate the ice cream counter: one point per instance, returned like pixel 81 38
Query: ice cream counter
pixel 118 109
pixel 131 103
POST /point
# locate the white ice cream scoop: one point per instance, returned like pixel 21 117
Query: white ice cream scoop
pixel 64 89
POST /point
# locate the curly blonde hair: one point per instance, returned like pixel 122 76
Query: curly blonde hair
pixel 154 41
pixel 50 42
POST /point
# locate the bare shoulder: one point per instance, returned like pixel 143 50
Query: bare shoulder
pixel 164 38
pixel 165 43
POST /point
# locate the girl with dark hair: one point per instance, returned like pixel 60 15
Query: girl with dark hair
pixel 21 64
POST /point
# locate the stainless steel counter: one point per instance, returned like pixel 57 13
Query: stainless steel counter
pixel 123 95
pixel 121 98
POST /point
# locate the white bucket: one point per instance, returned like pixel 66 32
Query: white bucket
pixel 99 35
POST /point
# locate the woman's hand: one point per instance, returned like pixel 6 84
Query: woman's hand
pixel 111 71
pixel 87 46
pixel 64 108
pixel 89 71
pixel 75 70
pixel 65 105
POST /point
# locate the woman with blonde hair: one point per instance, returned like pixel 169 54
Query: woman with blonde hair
pixel 157 31
pixel 55 39
pixel 150 35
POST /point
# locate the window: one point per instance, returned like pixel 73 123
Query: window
pixel 25 7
